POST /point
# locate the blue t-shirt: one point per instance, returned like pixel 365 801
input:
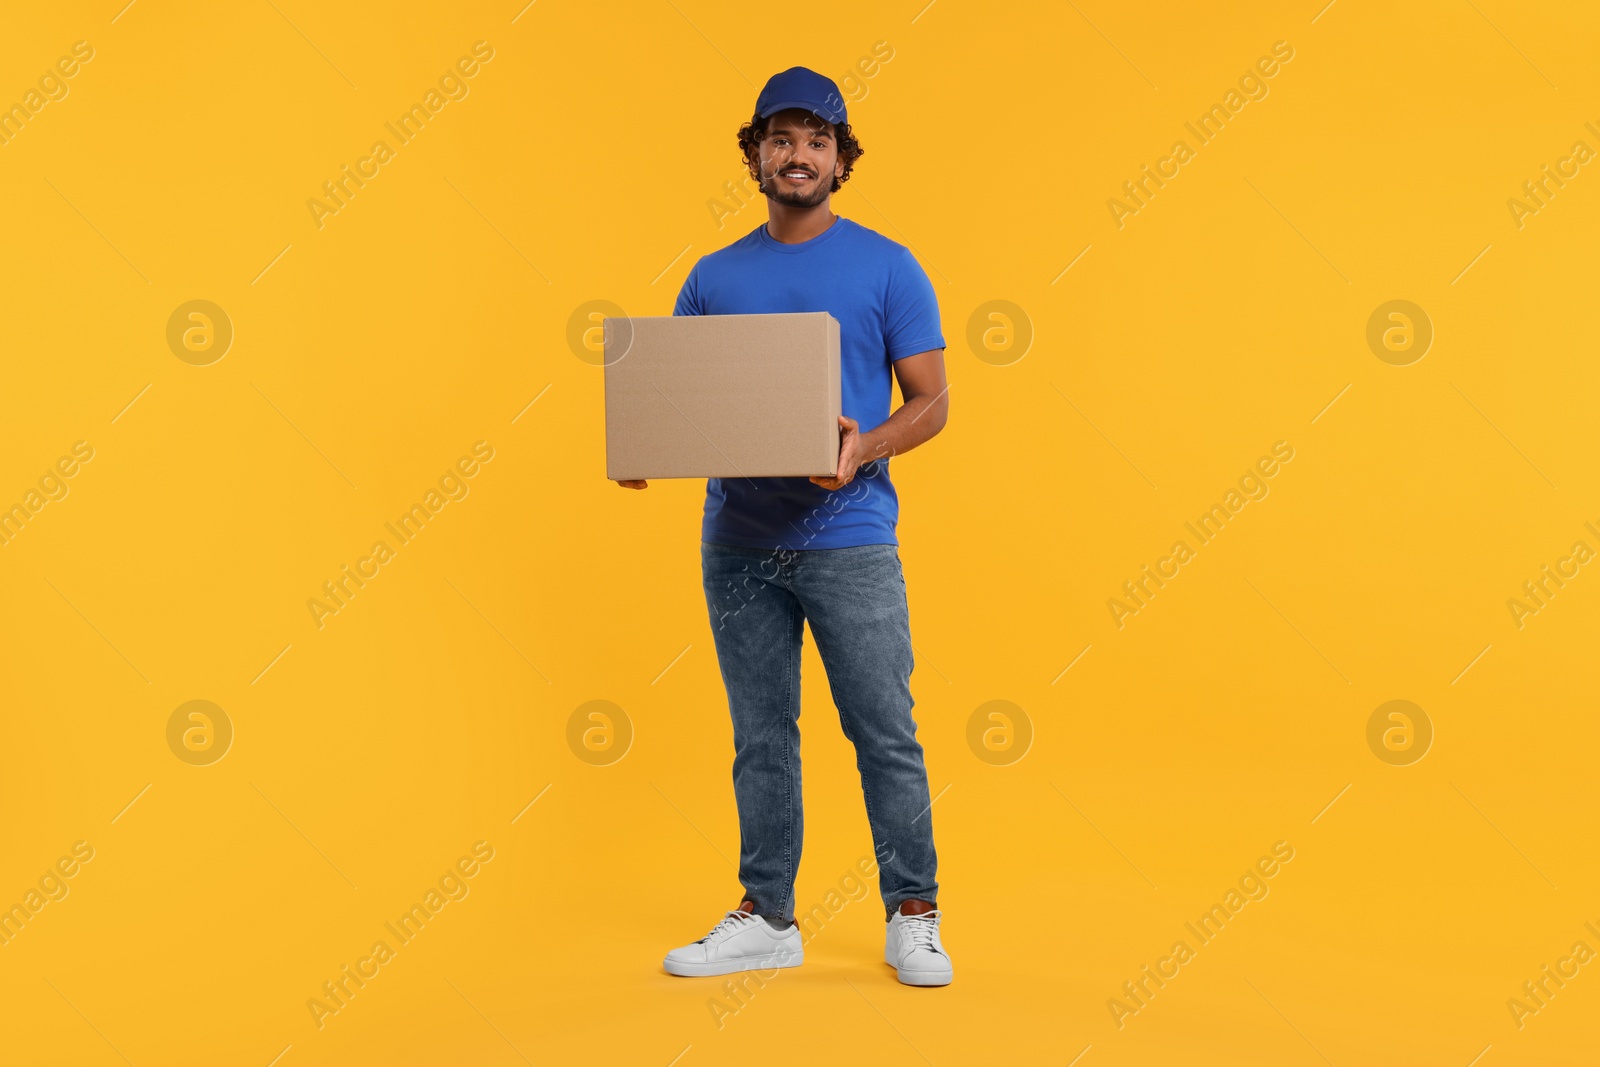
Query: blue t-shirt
pixel 886 310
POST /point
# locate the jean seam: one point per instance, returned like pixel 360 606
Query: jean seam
pixel 873 822
pixel 872 830
pixel 788 779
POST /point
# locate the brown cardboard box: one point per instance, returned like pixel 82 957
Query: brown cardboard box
pixel 722 396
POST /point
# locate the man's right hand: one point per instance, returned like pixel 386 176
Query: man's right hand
pixel 633 483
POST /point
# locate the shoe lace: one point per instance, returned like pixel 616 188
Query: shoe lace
pixel 730 922
pixel 922 931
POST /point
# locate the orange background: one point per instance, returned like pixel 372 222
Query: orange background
pixel 446 303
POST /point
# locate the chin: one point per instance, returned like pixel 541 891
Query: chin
pixel 796 200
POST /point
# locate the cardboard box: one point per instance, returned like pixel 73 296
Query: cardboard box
pixel 722 396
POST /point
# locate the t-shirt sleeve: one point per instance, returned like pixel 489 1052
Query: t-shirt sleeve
pixel 689 295
pixel 911 319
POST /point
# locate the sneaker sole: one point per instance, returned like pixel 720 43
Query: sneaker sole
pixel 753 963
pixel 923 978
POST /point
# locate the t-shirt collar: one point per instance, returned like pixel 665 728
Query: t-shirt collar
pixel 802 246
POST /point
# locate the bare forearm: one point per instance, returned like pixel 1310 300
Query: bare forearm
pixel 908 426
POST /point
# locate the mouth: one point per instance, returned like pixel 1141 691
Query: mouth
pixel 796 177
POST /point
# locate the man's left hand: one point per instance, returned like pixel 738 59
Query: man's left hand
pixel 855 449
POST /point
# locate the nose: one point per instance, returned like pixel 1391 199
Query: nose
pixel 800 155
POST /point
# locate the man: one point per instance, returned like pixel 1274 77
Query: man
pixel 777 553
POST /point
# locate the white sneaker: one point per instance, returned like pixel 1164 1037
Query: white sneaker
pixel 740 942
pixel 913 949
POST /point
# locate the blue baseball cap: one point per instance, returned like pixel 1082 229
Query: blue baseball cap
pixel 803 88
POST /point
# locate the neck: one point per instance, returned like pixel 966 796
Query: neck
pixel 791 225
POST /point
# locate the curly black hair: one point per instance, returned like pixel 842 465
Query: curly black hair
pixel 752 133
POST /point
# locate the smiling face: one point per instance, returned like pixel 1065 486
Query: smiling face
pixel 798 161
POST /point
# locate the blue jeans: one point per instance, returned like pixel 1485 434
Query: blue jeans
pixel 855 600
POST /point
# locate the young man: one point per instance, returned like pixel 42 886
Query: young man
pixel 777 553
